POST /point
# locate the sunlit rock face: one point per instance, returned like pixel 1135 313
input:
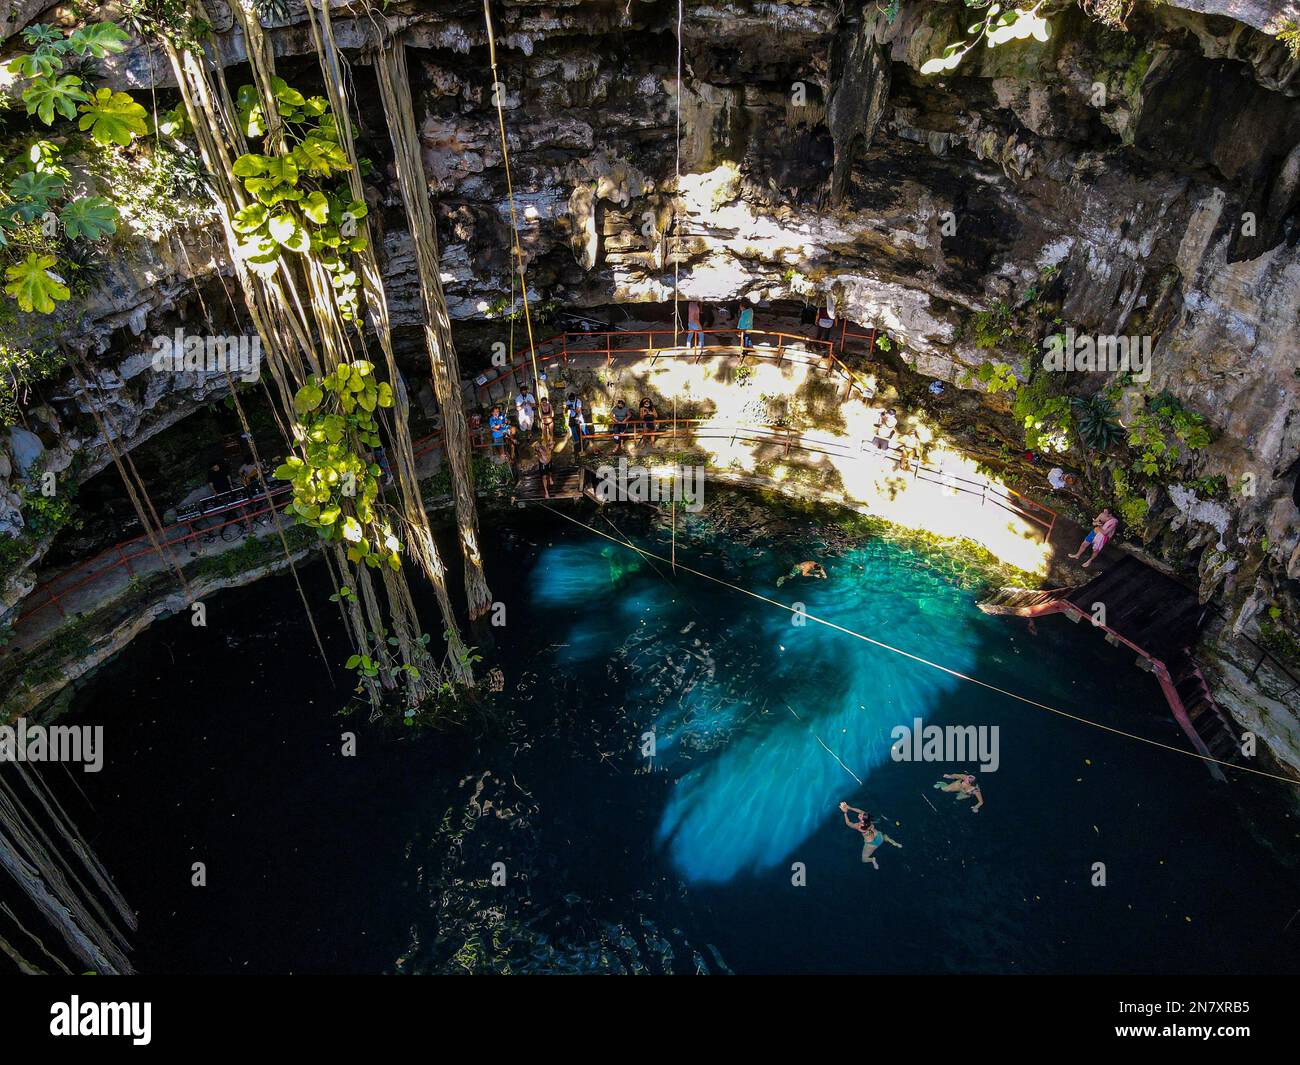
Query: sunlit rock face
pixel 1147 181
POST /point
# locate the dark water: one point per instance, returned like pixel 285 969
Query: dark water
pixel 224 747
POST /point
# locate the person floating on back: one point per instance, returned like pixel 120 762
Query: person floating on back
pixel 872 837
pixel 804 569
pixel 963 785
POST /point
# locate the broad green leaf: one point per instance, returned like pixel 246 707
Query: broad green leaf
pixel 319 156
pixel 113 118
pixel 250 165
pixel 282 168
pixel 334 427
pixel 329 515
pixel 98 39
pixel 308 398
pixel 34 285
pixel 316 207
pixel 285 94
pixel 44 96
pixel 37 187
pixel 248 219
pixel 174 123
pixel 270 192
pixel 41 63
pixel 92 217
pixel 385 394
pixel 288 232
pixel 42 33
pixel 352 531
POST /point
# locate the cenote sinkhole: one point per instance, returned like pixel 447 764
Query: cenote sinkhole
pixel 224 747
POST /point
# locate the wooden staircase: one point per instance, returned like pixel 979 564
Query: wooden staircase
pixel 1024 602
pixel 1217 728
pixel 1158 618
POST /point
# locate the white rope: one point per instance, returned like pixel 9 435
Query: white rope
pixel 935 665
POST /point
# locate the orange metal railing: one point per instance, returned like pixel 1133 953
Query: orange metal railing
pixel 764 345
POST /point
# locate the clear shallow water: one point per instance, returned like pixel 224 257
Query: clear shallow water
pixel 223 748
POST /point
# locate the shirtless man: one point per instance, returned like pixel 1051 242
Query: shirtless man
pixel 964 785
pixel 804 569
pixel 872 837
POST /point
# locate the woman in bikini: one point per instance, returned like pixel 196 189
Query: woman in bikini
pixel 872 837
pixel 546 415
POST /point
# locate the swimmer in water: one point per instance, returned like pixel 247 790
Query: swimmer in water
pixel 804 569
pixel 872 837
pixel 963 785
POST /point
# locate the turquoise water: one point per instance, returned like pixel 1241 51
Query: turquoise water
pixel 723 851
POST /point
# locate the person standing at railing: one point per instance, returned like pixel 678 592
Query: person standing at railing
pixel 620 416
pixel 885 426
pixel 744 323
pixel 826 319
pixel 497 425
pixel 546 416
pixel 525 410
pixel 694 331
pixel 577 424
pixel 647 416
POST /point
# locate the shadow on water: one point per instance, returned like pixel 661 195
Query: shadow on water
pixel 224 748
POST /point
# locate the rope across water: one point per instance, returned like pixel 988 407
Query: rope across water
pixel 927 662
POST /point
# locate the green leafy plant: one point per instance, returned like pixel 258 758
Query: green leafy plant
pixel 35 187
pixel 997 25
pixel 1288 32
pixel 1163 434
pixel 297 209
pixel 1095 421
pixel 335 488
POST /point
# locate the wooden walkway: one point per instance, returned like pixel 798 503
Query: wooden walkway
pixel 567 482
pixel 1158 618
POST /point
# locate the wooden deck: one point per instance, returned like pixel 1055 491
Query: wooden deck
pixel 567 482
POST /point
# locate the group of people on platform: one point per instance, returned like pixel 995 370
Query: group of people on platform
pixel 700 317
pixel 531 413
